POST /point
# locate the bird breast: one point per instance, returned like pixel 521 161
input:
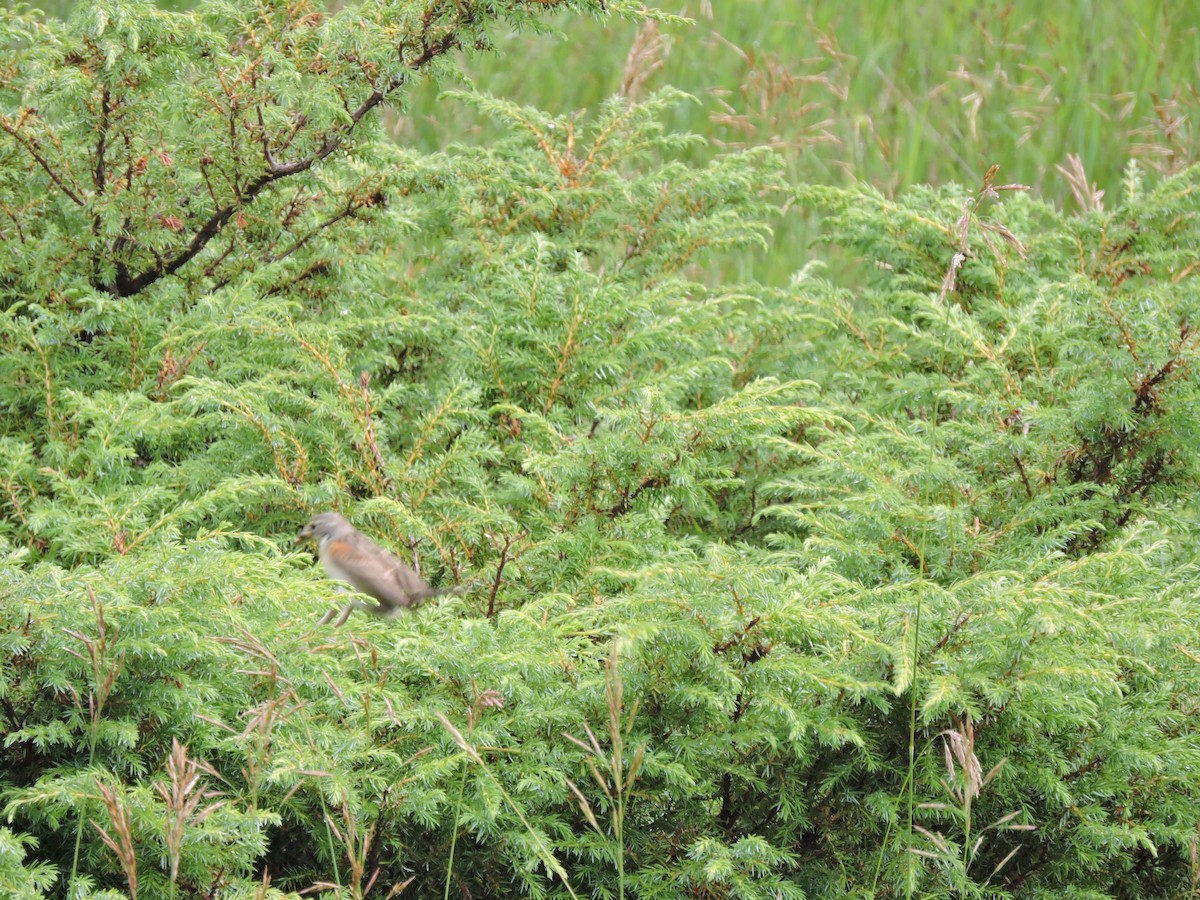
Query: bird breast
pixel 332 569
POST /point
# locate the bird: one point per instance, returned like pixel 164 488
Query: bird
pixel 349 555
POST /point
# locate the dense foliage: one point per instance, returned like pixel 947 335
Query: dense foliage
pixel 799 591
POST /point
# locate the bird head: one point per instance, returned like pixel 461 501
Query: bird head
pixel 322 525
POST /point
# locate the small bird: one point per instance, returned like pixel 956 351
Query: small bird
pixel 349 555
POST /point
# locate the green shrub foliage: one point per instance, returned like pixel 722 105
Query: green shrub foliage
pixel 769 592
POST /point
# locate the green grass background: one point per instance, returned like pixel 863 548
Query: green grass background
pixel 890 93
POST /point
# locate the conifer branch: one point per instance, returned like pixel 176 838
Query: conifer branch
pixel 35 151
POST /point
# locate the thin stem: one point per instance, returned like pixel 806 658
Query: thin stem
pixel 462 786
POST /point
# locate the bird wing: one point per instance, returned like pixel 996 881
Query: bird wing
pixel 376 572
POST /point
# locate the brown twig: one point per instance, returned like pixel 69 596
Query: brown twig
pixel 509 541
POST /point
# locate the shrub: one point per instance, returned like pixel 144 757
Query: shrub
pixel 769 592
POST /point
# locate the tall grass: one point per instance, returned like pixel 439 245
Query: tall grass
pixel 892 93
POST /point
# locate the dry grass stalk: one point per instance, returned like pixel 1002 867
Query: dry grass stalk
pixel 1194 861
pixel 646 56
pixel 543 849
pixel 958 751
pixel 263 887
pixel 122 844
pixel 618 778
pixel 775 99
pixel 965 780
pixel 105 668
pixel 989 190
pixel 183 793
pixel 1086 194
pixel 1167 141
pixel 357 843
